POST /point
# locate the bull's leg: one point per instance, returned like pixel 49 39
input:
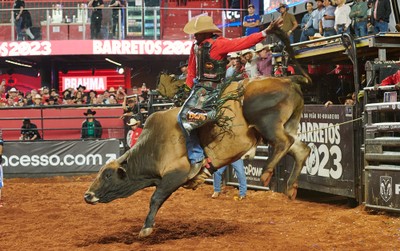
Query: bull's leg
pixel 300 152
pixel 169 184
pixel 280 142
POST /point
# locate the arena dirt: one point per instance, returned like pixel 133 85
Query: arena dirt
pixel 50 214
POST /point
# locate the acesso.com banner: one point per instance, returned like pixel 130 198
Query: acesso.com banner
pixel 57 157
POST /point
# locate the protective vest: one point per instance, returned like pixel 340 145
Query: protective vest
pixel 209 69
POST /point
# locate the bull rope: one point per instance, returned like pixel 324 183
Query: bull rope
pixel 337 124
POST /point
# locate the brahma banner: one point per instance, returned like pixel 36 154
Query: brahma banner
pixel 95 47
pixel 96 83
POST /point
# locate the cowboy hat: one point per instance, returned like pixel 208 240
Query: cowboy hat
pixel 132 122
pixel 260 47
pixel 282 5
pixel 182 64
pixel 245 51
pixel 233 55
pixel 89 111
pixel 111 90
pixel 12 90
pixel 201 24
pixel 37 96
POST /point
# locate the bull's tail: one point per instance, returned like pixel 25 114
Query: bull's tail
pixel 289 49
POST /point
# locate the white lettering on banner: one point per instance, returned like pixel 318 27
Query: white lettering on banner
pixel 327 137
pixel 91 83
pixel 141 47
pixel 34 48
pixel 397 189
pixel 55 160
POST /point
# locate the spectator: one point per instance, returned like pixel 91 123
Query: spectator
pixel 289 21
pixel 117 7
pixel 37 101
pixel 13 96
pixel 392 80
pixel 238 166
pixel 251 21
pixel 327 24
pixel 342 17
pixel 92 95
pixel 133 133
pixel 264 62
pixel 234 60
pixel 51 101
pixel 251 63
pixel 120 95
pixel 91 128
pixel 380 15
pixel 307 27
pixel 29 131
pixel 22 19
pixel 1 167
pixel 81 88
pixel 370 27
pixel 359 15
pixel 183 67
pixel 96 18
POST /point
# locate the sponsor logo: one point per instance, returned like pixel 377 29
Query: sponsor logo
pixel 385 187
pixel 91 83
pixel 196 114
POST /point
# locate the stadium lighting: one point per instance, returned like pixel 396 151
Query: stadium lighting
pixel 120 70
pixel 113 62
pixel 18 63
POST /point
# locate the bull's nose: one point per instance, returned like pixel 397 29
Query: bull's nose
pixel 88 197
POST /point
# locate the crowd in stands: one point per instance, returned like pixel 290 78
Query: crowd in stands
pixel 45 96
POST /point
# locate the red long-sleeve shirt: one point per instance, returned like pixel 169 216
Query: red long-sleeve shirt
pixel 219 50
pixel 392 79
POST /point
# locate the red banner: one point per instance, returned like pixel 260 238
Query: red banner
pixel 95 47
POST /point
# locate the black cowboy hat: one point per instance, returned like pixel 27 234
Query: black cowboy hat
pixel 81 86
pixel 282 5
pixel 89 111
pixel 182 64
pixel 26 121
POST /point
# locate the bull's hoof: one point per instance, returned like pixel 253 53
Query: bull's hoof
pixel 266 178
pixel 197 180
pixel 145 232
pixel 292 192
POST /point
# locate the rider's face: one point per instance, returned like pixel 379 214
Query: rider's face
pixel 200 37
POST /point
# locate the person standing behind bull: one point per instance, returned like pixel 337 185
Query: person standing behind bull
pixel 251 21
pixel 264 62
pixel 342 17
pixel 134 133
pixel 380 15
pixel 359 15
pixel 91 128
pixel 289 21
pixel 206 73
pixel 327 24
pixel 22 19
pixel 96 18
pixel 238 166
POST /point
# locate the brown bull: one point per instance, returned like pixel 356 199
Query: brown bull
pixel 271 110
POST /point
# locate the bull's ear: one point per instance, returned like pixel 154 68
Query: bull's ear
pixel 121 173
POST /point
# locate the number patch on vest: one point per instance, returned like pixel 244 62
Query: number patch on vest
pixel 196 114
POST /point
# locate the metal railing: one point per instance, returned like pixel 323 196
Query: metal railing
pixel 71 22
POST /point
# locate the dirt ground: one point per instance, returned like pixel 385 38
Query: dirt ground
pixel 50 214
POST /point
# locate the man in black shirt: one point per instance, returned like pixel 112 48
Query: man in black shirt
pixel 29 131
pixel 96 18
pixel 117 6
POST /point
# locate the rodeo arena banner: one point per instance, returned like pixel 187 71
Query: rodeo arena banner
pixel 331 140
pixel 331 161
pixel 57 157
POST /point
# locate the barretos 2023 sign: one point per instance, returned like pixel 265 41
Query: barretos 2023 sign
pixel 96 47
pixel 331 142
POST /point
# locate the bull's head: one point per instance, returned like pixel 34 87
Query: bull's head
pixel 111 183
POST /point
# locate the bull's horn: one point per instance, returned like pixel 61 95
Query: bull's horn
pixel 123 158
